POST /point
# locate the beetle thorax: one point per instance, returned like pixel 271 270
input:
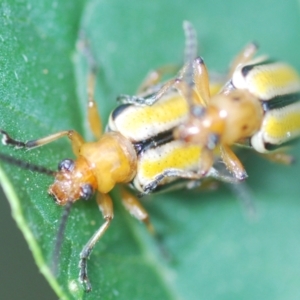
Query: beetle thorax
pixel 112 160
pixel 241 112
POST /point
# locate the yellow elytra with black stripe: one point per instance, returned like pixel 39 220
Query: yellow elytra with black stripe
pixel 161 159
pixel 277 86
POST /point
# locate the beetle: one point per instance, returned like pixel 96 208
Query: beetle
pixel 258 107
pixel 138 148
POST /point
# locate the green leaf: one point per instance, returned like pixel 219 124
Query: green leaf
pixel 216 252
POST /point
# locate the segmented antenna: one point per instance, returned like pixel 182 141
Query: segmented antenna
pixel 26 165
pixel 190 54
pixel 60 237
pixel 246 198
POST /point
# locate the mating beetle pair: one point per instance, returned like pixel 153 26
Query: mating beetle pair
pixel 173 131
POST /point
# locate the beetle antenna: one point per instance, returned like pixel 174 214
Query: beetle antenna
pixel 190 54
pixel 26 165
pixel 60 237
pixel 246 198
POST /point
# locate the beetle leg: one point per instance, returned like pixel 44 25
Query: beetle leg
pixel 233 164
pixel 152 185
pixel 93 115
pixel 201 93
pixel 193 175
pixel 201 80
pixel 157 93
pixel 191 96
pixel 135 208
pixel 154 77
pixel 206 161
pixel 279 157
pixel 75 138
pixel 139 100
pixel 243 57
pixel 94 118
pixel 106 207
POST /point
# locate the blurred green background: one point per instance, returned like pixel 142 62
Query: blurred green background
pixel 217 252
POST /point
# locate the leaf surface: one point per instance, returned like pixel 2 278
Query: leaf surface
pixel 215 251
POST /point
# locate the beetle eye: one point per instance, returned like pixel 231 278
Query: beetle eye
pixel 66 165
pixel 198 111
pixel 86 191
pixel 213 140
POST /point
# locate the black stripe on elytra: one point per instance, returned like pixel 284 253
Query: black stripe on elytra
pixel 246 69
pixel 119 110
pixel 280 101
pixel 153 142
pixel 177 184
pixel 272 147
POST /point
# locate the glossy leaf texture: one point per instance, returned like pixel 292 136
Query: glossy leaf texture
pixel 214 250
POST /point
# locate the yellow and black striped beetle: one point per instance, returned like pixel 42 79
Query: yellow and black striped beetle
pixel 138 148
pixel 258 107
